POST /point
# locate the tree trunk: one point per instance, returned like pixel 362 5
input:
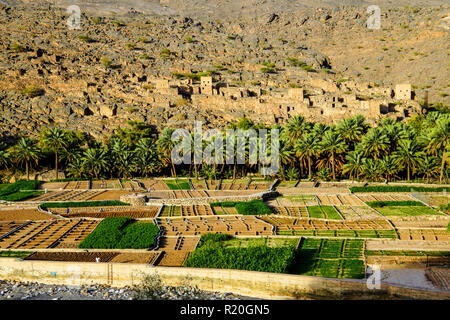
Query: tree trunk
pixel 409 175
pixel 442 167
pixel 332 165
pixel 56 165
pixel 309 168
pixel 196 171
pixel 174 173
pixel 26 168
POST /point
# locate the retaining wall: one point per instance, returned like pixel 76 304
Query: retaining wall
pixel 248 283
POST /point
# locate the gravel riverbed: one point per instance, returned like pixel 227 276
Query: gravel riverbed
pixel 14 290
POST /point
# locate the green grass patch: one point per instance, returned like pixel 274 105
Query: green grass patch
pixel 389 234
pixel 225 204
pixel 381 204
pixel 11 188
pixel 407 211
pixel 21 195
pixel 178 184
pixel 396 189
pixel 253 207
pixel 121 233
pixel 331 258
pixel 408 253
pixel 14 254
pixel 83 204
pixel 323 212
pixel 214 253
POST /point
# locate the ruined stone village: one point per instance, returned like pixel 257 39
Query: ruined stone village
pixel 319 101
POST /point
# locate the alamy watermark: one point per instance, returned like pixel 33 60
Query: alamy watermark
pixel 74 20
pixel 374 20
pixel 235 147
pixel 374 280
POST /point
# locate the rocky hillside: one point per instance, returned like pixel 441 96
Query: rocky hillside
pixel 50 75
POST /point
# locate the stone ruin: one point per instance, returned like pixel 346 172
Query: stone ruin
pixel 320 100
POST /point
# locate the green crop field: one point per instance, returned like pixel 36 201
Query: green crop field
pixel 214 251
pixel 121 233
pixel 381 204
pixel 83 204
pixel 407 211
pixel 14 254
pixel 178 184
pixel 253 207
pixel 14 191
pixel 171 211
pixel 390 234
pixel 269 242
pixel 331 258
pixel 323 212
pixel 409 253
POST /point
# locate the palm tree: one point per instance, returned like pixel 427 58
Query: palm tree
pixel 75 168
pixel 307 148
pixel 95 161
pixel 375 143
pixel 408 155
pixel 147 162
pixel 389 167
pixel 125 163
pixel 320 129
pixel 165 147
pixel 286 155
pixel 372 169
pixel 333 143
pixel 439 142
pixel 354 165
pixel 296 128
pixel 429 167
pixel 56 140
pixel 26 151
pixel 4 156
pixel 352 129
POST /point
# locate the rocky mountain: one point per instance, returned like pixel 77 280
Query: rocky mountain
pixel 99 76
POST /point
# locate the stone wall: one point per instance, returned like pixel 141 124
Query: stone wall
pixel 248 283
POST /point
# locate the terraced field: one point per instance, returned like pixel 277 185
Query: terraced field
pixel 332 228
pixel 187 211
pixel 105 212
pixel 300 212
pixel 175 250
pixel 233 225
pixel 385 197
pixel 331 258
pixel 406 211
pixel 47 234
pixel 23 215
pixel 324 212
pixel 424 234
pixel 73 195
